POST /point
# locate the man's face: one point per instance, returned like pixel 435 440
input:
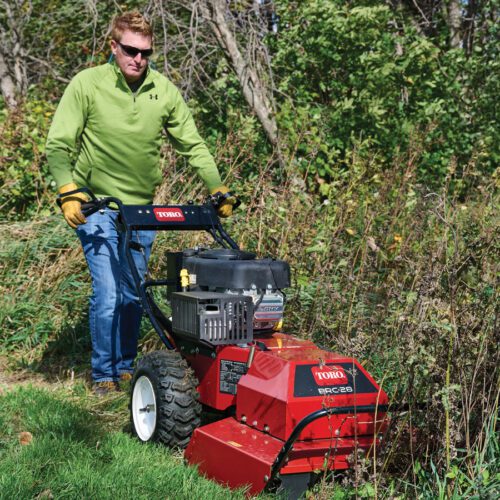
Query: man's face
pixel 132 67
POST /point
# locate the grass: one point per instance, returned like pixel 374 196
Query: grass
pixel 78 451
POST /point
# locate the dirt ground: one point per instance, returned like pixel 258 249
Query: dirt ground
pixel 10 378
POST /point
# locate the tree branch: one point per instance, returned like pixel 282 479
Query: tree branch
pixel 215 12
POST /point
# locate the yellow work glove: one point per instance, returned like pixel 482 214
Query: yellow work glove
pixel 71 206
pixel 226 207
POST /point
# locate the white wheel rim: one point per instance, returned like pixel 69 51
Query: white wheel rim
pixel 144 408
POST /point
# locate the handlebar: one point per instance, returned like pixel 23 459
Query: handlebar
pixel 87 208
pixel 95 204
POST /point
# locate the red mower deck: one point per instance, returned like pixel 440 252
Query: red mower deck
pixel 288 380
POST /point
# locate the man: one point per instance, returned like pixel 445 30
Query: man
pixel 112 117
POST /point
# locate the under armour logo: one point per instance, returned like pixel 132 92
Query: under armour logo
pixel 155 96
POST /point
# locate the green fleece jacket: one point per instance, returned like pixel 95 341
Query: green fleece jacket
pixel 116 135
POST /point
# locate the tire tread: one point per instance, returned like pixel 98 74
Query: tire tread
pixel 178 409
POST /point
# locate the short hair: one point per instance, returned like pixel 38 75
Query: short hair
pixel 130 21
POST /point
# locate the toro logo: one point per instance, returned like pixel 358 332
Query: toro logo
pixel 169 214
pixel 329 375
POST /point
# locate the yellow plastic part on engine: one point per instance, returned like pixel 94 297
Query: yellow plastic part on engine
pixel 184 278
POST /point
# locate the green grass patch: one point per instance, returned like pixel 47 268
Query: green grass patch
pixel 76 453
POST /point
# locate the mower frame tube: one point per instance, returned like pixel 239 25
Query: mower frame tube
pixel 308 419
pixel 145 297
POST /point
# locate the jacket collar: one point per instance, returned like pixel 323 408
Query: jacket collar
pixel 120 79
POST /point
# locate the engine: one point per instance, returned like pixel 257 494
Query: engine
pixel 237 273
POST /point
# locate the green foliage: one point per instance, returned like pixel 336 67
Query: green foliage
pixel 24 178
pixel 484 482
pixel 362 78
pixel 61 36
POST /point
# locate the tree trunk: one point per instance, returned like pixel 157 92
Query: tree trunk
pixel 251 85
pixel 454 23
pixel 7 84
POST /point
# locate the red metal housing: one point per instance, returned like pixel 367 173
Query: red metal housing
pixel 287 380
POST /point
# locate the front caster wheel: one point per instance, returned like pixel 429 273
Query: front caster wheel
pixel 164 403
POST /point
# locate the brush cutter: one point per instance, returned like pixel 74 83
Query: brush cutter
pixel 282 409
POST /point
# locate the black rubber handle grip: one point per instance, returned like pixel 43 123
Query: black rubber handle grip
pixel 90 208
pixel 217 199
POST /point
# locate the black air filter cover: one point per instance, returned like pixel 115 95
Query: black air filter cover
pixel 236 269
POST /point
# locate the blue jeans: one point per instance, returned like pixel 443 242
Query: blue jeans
pixel 115 312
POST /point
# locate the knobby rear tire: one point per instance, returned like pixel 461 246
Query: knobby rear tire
pixel 176 403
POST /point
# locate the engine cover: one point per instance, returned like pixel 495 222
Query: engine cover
pixel 235 269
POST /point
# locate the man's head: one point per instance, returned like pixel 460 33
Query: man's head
pixel 131 44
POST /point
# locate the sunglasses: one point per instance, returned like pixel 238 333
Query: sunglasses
pixel 133 51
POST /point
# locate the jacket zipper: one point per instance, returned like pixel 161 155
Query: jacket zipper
pixel 135 94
